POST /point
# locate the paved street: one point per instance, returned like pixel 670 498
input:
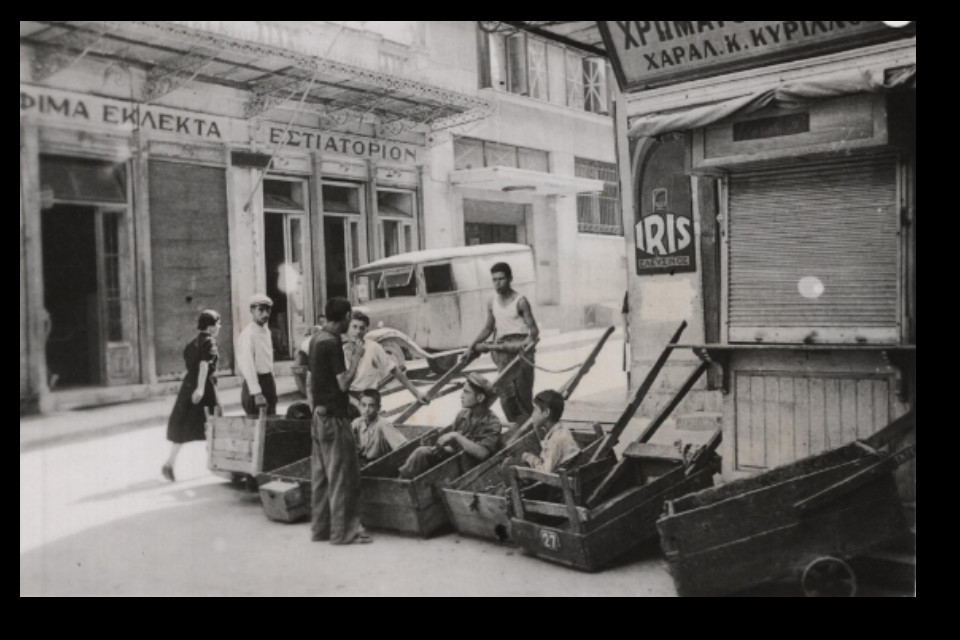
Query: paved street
pixel 96 518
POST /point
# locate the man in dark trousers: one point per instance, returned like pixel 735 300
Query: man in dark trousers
pixel 335 468
pixel 510 316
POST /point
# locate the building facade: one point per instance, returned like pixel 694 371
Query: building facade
pixel 168 167
pixel 773 208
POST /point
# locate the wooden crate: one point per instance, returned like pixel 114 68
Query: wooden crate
pixel 238 444
pixel 747 532
pixel 478 503
pixel 295 479
pixel 284 501
pixel 410 506
pixel 589 538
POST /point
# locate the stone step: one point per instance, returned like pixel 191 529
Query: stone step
pixel 699 421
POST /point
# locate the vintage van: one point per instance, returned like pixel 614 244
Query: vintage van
pixel 424 304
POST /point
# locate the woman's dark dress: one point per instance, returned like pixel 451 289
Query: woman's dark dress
pixel 187 419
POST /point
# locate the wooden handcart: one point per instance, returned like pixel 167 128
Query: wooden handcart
pixel 285 492
pixel 241 447
pixel 478 502
pixel 801 520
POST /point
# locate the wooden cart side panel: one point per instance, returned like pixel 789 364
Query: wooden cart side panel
pixel 387 491
pixel 616 531
pixel 849 530
pixel 427 486
pixel 761 510
pixel 432 518
pixel 389 465
pixel 774 476
pixel 488 471
pixel 392 517
pixel 478 514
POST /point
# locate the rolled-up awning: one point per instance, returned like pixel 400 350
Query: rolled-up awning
pixel 789 94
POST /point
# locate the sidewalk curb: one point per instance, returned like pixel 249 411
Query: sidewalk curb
pixel 122 427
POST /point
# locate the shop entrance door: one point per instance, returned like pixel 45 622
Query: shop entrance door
pixel 88 294
pixel 288 274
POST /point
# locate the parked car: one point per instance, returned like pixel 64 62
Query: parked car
pixel 427 304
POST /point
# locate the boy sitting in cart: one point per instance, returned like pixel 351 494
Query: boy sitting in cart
pixel 375 435
pixel 557 444
pixel 475 431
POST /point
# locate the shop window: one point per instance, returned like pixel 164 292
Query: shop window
pixel 438 278
pixel 82 180
pixel 341 199
pixel 599 212
pixel 283 195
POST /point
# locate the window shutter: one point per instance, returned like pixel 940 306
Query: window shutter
pixel 814 253
pixel 517 63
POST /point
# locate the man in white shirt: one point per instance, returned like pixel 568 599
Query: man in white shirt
pixel 254 356
pixel 376 364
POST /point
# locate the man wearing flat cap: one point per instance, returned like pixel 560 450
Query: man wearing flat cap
pixel 255 359
pixel 475 431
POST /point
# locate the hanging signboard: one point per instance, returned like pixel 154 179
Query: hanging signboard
pixel 652 53
pixel 664 234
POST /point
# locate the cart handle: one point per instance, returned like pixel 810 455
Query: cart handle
pixel 857 480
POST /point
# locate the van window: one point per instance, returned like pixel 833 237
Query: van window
pixel 438 278
pixel 398 282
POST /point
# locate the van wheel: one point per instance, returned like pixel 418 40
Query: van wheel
pixel 442 364
pixel 395 350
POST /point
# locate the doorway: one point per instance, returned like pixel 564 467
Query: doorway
pixel 285 219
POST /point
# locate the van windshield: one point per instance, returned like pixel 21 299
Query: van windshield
pixel 389 283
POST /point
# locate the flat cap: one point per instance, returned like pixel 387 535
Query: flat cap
pixel 479 383
pixel 258 299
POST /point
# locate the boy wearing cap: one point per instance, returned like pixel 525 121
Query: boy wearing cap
pixel 254 356
pixel 475 431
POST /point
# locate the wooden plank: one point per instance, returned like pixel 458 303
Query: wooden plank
pixel 387 491
pixel 788 409
pixel 390 517
pixel 865 419
pixel 818 415
pixel 881 404
pixel 786 550
pixel 616 474
pixel 801 467
pixel 761 510
pixel 744 416
pixel 848 410
pixel 834 435
pixel 771 421
pixel 801 397
pixel 880 466
pixel 755 446
pixel 435 389
pixel 233 445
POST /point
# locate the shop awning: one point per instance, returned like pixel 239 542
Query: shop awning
pixel 275 62
pixel 510 179
pixel 787 95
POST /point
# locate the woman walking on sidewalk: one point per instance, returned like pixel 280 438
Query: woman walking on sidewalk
pixel 198 390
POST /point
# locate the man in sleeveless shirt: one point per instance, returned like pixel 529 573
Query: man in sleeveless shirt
pixel 510 317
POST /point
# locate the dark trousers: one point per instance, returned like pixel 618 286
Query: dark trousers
pixel 422 459
pixel 268 387
pixel 516 398
pixel 335 476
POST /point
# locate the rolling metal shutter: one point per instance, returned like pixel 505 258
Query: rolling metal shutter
pixel 814 253
pixel 191 259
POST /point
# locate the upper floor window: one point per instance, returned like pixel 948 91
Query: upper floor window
pixel 470 153
pixel 527 65
pixel 599 212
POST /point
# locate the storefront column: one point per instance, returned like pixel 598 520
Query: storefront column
pixel 142 251
pixel 245 228
pixel 37 318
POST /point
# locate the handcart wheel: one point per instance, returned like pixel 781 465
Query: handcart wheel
pixel 829 577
